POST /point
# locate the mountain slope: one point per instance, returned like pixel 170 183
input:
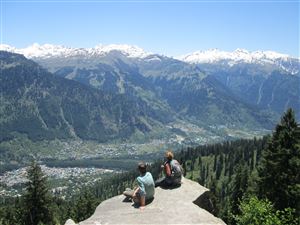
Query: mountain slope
pixel 171 87
pixel 266 79
pixel 277 91
pixel 257 85
pixel 201 97
pixel 44 106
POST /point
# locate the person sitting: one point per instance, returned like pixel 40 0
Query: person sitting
pixel 172 170
pixel 145 191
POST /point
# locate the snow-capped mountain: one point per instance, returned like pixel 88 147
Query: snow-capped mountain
pixel 283 61
pixel 214 56
pixel 59 51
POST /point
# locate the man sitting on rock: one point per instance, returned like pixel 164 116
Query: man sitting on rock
pixel 145 190
pixel 173 172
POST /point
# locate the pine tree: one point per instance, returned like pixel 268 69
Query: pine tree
pixel 199 161
pixel 37 200
pixel 184 168
pixel 219 166
pixel 279 171
pixel 237 190
pixel 215 162
pixel 202 175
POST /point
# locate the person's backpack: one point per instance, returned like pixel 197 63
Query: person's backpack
pixel 176 168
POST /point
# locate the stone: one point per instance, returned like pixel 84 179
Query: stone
pixel 170 206
pixel 70 222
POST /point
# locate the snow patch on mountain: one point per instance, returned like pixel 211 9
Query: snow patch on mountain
pixel 215 55
pixel 49 51
pixel 128 50
pixel 212 56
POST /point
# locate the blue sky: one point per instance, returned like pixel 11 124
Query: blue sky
pixel 167 27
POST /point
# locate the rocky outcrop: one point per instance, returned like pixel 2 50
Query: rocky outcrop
pixel 170 206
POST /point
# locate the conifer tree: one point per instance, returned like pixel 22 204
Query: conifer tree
pixel 279 171
pixel 219 166
pixel 37 200
pixel 215 162
pixel 184 168
pixel 239 187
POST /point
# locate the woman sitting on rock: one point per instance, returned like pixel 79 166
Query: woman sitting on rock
pixel 173 172
pixel 145 190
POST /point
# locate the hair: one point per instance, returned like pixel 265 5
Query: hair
pixel 169 155
pixel 142 167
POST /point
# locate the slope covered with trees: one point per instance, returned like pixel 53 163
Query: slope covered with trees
pixel 44 107
pixel 245 173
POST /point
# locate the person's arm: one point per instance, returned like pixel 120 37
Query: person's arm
pixel 168 169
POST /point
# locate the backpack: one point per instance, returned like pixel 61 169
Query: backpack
pixel 176 168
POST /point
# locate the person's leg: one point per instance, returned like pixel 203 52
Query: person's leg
pixel 159 182
pixel 138 199
pixel 128 192
pixel 142 202
pixel 168 181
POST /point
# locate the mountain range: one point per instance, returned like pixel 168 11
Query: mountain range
pixel 266 79
pixel 212 56
pixel 118 91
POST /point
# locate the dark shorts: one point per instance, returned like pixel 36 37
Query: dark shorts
pixel 168 181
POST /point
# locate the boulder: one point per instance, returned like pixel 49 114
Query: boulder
pixel 170 206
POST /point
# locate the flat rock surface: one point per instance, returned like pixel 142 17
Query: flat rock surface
pixel 170 206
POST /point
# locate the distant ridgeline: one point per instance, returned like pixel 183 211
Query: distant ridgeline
pixel 235 172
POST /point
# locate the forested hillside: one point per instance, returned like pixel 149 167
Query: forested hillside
pixel 251 173
pixel 44 107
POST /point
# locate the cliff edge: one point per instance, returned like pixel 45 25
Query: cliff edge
pixel 170 206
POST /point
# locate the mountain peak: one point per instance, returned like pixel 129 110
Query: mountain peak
pixel 128 50
pixel 213 56
pixel 48 50
pixel 280 61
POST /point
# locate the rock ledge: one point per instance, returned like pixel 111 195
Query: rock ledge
pixel 173 206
